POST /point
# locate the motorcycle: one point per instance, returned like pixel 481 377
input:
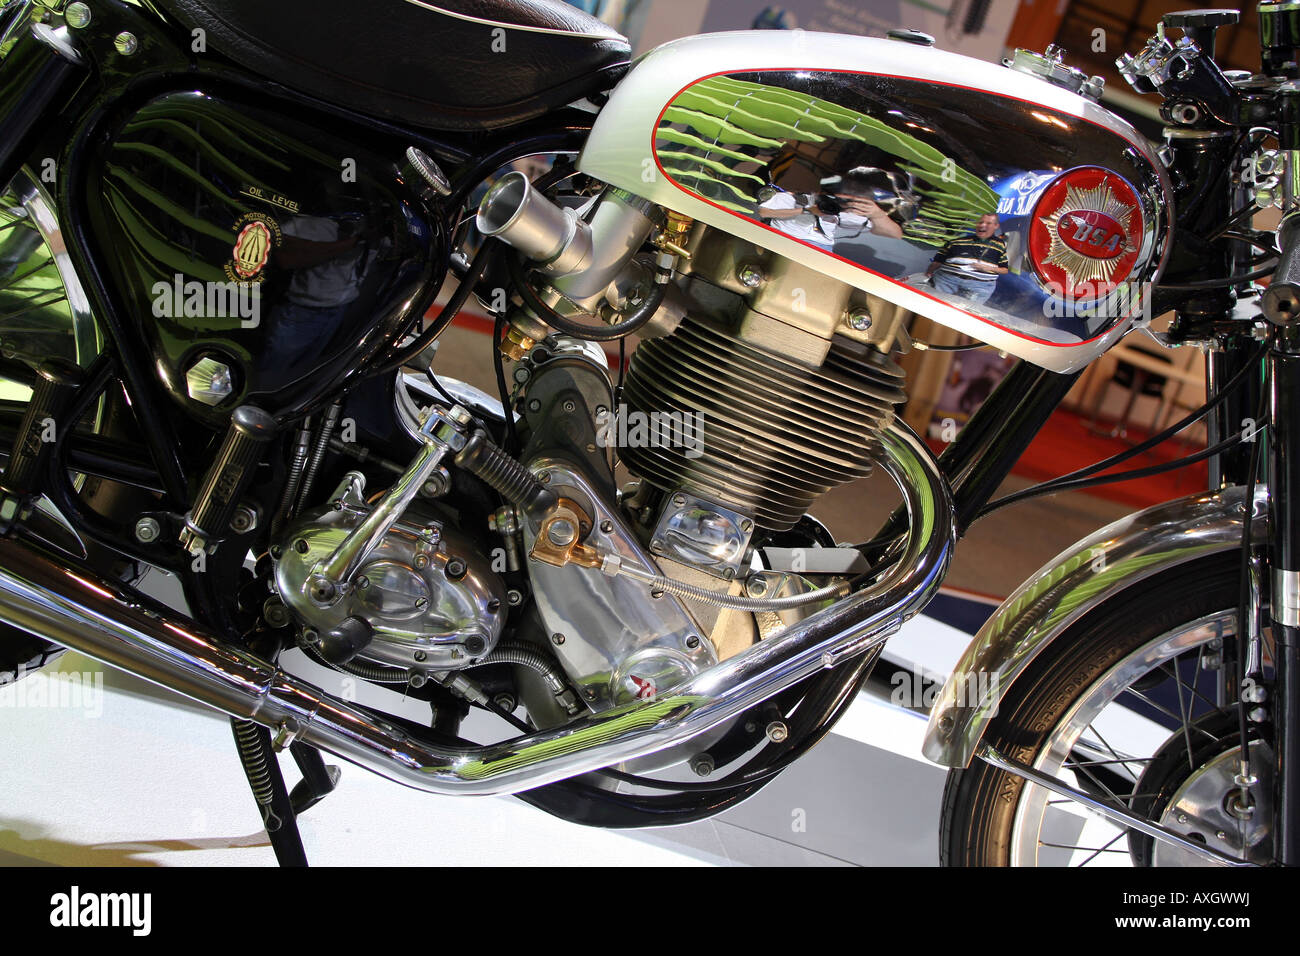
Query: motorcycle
pixel 225 222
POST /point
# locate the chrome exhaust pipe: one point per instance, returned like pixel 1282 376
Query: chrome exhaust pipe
pixel 120 627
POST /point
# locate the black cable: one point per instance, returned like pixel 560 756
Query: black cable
pixel 593 333
pixel 1217 283
pixel 512 445
pixel 1050 488
pixel 449 311
pixel 437 387
pixel 1045 487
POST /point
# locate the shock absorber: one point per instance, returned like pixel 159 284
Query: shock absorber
pixel 227 479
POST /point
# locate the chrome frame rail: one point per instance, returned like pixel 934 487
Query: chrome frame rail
pixel 125 630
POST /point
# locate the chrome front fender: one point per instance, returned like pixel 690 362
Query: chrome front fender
pixel 1077 581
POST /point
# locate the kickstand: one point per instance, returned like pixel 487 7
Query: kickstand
pixel 317 778
pixel 267 782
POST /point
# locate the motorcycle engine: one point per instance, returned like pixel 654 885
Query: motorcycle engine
pixel 758 386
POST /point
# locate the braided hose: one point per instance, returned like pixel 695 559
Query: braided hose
pixel 372 672
pixel 737 602
pixel 301 447
pixel 525 657
pixel 318 454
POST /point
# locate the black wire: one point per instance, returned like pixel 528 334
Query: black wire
pixel 1046 487
pixel 449 312
pixel 512 435
pixel 437 387
pixel 1053 487
pixel 1217 283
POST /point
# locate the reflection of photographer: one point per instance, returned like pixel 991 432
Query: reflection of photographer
pixel 845 211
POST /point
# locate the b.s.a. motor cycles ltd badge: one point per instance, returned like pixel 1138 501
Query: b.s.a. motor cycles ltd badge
pixel 256 236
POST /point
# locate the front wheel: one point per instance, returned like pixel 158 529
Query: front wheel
pixel 43 314
pixel 1125 705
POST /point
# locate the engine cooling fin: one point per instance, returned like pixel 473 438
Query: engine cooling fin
pixel 774 434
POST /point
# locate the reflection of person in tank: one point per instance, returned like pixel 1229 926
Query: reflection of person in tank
pixel 849 211
pixel 969 265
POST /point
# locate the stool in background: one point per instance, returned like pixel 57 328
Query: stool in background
pixel 1139 382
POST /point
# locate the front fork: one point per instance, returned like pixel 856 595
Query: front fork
pixel 1284 560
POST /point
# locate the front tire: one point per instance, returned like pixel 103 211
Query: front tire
pixel 1115 668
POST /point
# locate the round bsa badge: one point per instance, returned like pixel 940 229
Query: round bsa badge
pixel 256 235
pixel 1085 233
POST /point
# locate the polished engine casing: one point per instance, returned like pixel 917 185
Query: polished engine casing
pixel 712 126
pixel 431 596
pixel 286 252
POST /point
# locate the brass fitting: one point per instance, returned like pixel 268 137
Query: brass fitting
pixel 559 539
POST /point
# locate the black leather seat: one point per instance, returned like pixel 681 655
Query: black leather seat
pixel 441 64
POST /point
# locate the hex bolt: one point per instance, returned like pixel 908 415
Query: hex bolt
pixel 244 520
pixel 514 598
pixel 418 679
pixel 702 764
pixel 275 613
pixel 147 530
pixel 421 562
pixel 777 731
pixel 505 702
pixel 756 586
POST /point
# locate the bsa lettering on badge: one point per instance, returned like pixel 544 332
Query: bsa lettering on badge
pixel 256 235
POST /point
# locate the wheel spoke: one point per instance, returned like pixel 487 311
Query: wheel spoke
pixel 33 307
pixel 1105 849
pixel 30 272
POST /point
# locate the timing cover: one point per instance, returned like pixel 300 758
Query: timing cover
pixel 422 616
